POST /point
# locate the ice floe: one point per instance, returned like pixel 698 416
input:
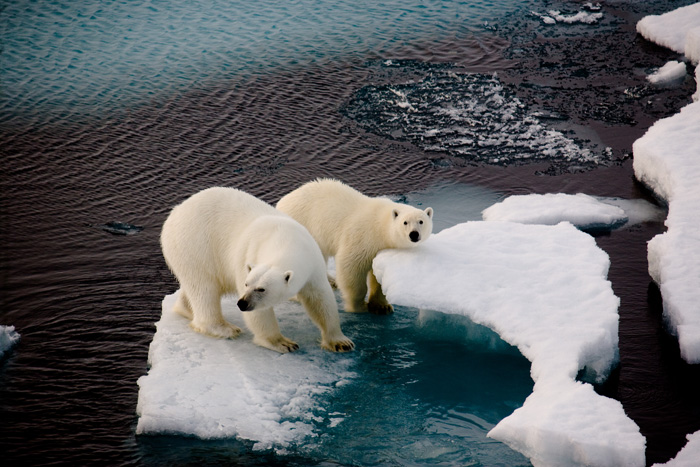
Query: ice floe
pixel 688 456
pixel 671 72
pixel 8 339
pixel 678 30
pixel 543 289
pixel 583 211
pixel 218 388
pixel 667 159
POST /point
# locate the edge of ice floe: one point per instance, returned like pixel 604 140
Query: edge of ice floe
pixel 561 420
pixel 667 160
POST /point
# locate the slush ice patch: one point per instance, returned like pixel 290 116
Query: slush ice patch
pixel 470 116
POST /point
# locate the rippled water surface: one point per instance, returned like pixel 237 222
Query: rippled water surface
pixel 113 112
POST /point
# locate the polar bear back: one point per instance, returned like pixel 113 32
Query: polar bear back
pixel 333 211
pixel 200 233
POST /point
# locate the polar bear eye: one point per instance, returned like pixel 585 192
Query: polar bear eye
pixel 405 223
pixel 260 290
pixel 420 222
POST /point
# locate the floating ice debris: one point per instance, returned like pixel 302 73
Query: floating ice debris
pixel 671 72
pixel 219 388
pixel 470 116
pixel 8 339
pixel 672 30
pixel 585 17
pixel 120 228
pixel 667 159
pixel 544 290
pixel 688 456
pixel 585 212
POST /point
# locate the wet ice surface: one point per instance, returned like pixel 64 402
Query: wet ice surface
pixel 586 212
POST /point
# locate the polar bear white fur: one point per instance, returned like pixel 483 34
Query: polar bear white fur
pixel 353 228
pixel 223 240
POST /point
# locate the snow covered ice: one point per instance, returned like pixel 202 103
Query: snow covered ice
pixel 677 30
pixel 585 212
pixel 218 388
pixel 667 159
pixel 671 72
pixel 582 210
pixel 8 339
pixel 544 290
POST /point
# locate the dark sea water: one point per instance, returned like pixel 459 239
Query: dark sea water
pixel 113 112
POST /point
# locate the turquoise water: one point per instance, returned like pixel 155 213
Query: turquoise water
pixel 87 57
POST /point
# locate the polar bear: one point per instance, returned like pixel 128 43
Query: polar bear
pixel 353 228
pixel 223 240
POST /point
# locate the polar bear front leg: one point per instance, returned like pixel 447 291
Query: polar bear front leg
pixel 266 330
pixel 321 307
pixel 206 315
pixel 182 305
pixel 377 304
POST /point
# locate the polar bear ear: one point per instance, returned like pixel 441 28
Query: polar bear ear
pixel 429 212
pixel 288 276
pixel 396 213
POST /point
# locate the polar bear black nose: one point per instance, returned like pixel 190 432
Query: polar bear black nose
pixel 415 236
pixel 243 304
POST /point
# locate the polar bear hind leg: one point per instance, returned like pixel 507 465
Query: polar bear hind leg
pixel 266 331
pixel 377 304
pixel 351 277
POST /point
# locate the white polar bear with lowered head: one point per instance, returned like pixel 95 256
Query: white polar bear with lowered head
pixel 353 228
pixel 223 240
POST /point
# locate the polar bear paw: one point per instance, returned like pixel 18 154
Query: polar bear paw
pixel 223 330
pixel 339 345
pixel 378 308
pixel 279 344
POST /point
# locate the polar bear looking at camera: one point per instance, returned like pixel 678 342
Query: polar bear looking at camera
pixel 353 228
pixel 223 240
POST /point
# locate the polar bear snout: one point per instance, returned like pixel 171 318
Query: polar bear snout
pixel 414 236
pixel 243 304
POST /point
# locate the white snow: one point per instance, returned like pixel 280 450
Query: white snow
pixel 543 289
pixel 218 388
pixel 688 456
pixel 669 73
pixel 672 30
pixel 582 210
pixel 692 45
pixel 667 159
pixel 8 338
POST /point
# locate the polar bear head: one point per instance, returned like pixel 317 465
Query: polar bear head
pixel 410 225
pixel 264 287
